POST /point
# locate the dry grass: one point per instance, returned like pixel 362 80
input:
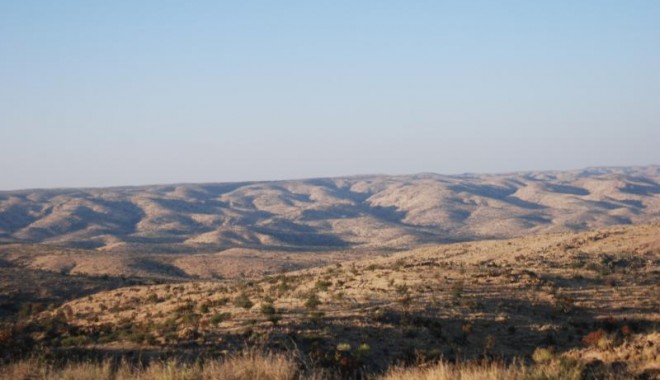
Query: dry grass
pixel 256 366
pixel 244 366
pixel 544 298
pixel 446 371
pixel 559 369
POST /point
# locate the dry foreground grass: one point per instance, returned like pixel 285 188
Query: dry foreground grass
pixel 279 367
pixel 566 305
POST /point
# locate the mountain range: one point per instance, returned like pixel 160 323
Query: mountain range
pixel 369 212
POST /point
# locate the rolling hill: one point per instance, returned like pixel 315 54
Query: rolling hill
pixel 580 303
pixel 379 212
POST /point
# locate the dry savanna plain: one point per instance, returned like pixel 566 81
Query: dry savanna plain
pixel 535 275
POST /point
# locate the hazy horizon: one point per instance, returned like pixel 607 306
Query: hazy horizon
pixel 451 174
pixel 123 93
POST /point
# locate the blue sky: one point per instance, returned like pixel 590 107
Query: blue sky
pixel 98 93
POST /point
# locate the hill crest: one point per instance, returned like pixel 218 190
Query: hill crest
pixel 331 213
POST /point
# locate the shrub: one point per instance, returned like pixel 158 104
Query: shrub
pixel 593 337
pixel 107 338
pixel 626 330
pixel 401 289
pixel 190 318
pixel 269 311
pixel 136 337
pixel 186 307
pixel 220 317
pixel 599 338
pixel 542 355
pixel 323 285
pixel 406 300
pixel 564 303
pixel 343 347
pixel 283 287
pixel 153 298
pixel 489 346
pixel 313 301
pixel 242 300
pixel 362 351
pixel 219 302
pixel 315 316
pixel 457 289
pixel 74 341
pixel 28 309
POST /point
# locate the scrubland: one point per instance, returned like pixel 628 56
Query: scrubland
pixel 563 305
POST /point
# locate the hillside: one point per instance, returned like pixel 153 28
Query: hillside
pixel 365 212
pixel 589 297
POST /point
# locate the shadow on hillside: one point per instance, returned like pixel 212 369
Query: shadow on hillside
pixel 26 288
pixel 372 338
pixel 503 194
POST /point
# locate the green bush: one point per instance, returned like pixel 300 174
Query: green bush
pixel 220 317
pixel 457 289
pixel 269 311
pixel 242 300
pixel 323 285
pixel 313 301
pixel 74 341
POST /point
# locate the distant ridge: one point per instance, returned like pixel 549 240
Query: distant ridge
pixel 367 211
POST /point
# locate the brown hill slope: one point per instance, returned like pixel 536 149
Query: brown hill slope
pixel 590 295
pixel 336 213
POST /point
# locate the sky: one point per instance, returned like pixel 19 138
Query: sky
pixel 108 93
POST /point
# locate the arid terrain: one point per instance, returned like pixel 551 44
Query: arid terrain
pixel 331 213
pixel 551 306
pixel 540 275
pixel 248 230
pixel 329 190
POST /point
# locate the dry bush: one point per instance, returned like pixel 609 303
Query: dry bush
pixel 595 338
pixel 542 355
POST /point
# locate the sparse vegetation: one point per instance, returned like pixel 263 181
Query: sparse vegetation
pixel 243 300
pixel 313 301
pixel 457 290
pixel 271 314
pixel 269 366
pixel 244 366
pixel 486 301
pixel 220 317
